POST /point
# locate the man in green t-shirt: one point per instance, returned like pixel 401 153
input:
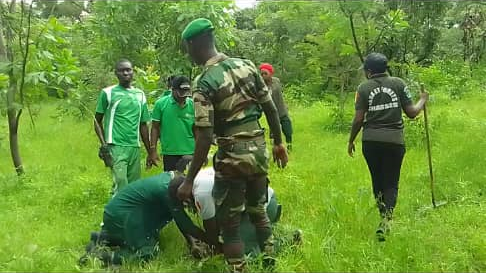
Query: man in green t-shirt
pixel 172 122
pixel 123 113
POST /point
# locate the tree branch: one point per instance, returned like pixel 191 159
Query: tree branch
pixel 26 52
pixel 383 30
pixel 353 31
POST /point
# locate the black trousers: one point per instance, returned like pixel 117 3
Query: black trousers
pixel 170 162
pixel 384 162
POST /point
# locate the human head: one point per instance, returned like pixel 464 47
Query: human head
pixel 174 184
pixel 124 72
pixel 375 63
pixel 199 40
pixel 266 70
pixel 181 88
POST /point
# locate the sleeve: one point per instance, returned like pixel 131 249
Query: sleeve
pixel 182 220
pixel 157 112
pixel 404 94
pixel 360 100
pixel 145 112
pixel 262 92
pixel 203 107
pixel 102 103
pixel 205 206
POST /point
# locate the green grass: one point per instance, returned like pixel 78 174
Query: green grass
pixel 47 214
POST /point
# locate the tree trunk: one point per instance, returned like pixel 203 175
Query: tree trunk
pixel 13 114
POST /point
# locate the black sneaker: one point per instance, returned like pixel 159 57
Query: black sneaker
pixel 382 230
pixel 94 236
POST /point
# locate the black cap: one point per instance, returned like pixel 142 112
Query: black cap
pixel 376 63
pixel 182 84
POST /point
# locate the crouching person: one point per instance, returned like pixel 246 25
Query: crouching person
pixel 133 219
pixel 203 202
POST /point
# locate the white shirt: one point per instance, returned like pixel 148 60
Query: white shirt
pixel 203 197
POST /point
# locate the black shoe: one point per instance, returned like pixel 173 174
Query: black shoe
pixel 83 261
pixel 382 230
pixel 94 236
pixel 380 235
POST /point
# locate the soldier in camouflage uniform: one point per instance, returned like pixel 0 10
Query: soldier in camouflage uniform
pixel 229 96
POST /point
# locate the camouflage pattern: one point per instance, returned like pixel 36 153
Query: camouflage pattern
pixel 228 93
pixel 227 96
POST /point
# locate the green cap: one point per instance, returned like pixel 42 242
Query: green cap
pixel 196 27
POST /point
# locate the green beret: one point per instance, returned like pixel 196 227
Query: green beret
pixel 197 27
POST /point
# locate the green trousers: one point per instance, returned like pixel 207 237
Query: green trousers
pixel 126 166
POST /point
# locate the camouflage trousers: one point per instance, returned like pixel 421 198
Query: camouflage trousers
pixel 241 184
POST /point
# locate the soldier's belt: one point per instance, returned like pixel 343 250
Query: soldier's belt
pixel 241 144
pixel 241 128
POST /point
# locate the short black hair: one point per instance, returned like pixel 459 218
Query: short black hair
pixel 174 185
pixel 120 61
pixel 178 80
pixel 376 63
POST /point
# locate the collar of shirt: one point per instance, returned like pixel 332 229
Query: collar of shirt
pixel 216 59
pixel 378 75
pixel 173 101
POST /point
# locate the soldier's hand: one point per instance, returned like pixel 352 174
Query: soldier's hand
pixel 184 191
pixel 351 149
pixel 280 155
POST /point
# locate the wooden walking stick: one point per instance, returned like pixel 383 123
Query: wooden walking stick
pixel 429 154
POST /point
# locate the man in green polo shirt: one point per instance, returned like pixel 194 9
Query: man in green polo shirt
pixel 122 111
pixel 172 122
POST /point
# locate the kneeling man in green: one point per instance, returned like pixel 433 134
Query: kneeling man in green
pixel 134 218
pixel 123 112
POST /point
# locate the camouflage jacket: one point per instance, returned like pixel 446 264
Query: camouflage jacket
pixel 228 93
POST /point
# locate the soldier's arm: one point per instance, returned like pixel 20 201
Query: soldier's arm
pixel 273 121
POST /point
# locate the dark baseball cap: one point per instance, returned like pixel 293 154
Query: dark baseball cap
pixel 182 85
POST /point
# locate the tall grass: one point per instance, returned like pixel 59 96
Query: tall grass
pixel 46 215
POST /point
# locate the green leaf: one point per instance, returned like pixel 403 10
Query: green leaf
pixel 5 67
pixel 347 50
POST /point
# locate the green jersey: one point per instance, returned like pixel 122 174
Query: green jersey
pixel 176 122
pixel 141 209
pixel 229 93
pixel 382 98
pixel 124 110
